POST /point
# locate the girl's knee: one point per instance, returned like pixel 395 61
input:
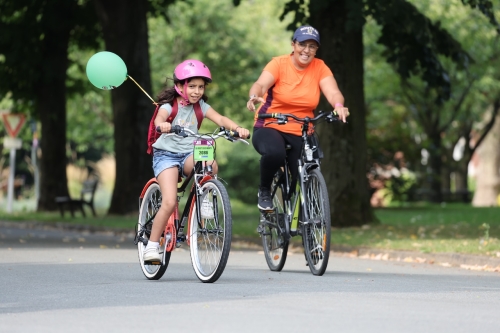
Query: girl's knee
pixel 167 205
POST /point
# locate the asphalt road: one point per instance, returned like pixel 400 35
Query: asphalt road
pixel 55 281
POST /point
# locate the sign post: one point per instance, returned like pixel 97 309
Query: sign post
pixel 13 123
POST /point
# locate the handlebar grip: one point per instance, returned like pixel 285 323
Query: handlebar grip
pixel 176 129
pixel 235 134
pixel 267 115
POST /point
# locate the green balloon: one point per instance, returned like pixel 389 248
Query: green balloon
pixel 106 70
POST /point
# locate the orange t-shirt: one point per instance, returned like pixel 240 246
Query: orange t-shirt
pixel 294 91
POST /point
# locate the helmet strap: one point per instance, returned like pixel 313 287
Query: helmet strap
pixel 185 99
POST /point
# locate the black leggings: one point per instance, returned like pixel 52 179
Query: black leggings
pixel 270 144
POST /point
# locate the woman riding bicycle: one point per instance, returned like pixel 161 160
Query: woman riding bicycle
pixel 174 154
pixel 289 84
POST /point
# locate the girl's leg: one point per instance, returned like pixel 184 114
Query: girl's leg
pixel 167 180
pixel 189 165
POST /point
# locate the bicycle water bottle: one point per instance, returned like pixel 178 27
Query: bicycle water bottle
pixel 309 152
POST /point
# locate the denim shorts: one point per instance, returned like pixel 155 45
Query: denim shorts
pixel 163 159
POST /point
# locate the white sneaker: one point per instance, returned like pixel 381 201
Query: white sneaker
pixel 152 254
pixel 207 209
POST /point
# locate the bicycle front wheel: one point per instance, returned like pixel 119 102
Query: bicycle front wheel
pixel 316 231
pixel 149 207
pixel 271 229
pixel 210 237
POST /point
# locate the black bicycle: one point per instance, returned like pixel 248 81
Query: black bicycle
pixel 302 209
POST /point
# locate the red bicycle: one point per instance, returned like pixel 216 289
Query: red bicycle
pixel 206 222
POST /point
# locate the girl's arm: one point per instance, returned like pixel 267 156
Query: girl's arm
pixel 220 120
pixel 161 121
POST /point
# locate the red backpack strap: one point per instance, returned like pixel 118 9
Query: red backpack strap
pixel 198 113
pixel 152 134
pixel 172 115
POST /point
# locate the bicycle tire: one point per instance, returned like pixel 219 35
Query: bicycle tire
pixel 275 246
pixel 150 205
pixel 210 240
pixel 316 232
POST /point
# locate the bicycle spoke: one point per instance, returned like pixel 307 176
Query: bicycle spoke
pixel 317 227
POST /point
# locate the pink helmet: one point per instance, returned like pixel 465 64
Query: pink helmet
pixel 192 68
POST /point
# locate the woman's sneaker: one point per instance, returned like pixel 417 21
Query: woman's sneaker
pixel 152 254
pixel 265 201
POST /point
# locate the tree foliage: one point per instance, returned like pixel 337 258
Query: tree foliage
pixel 34 56
pixel 235 43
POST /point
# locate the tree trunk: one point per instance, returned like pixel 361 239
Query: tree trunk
pixel 126 34
pixel 344 146
pixel 435 164
pixel 51 107
pixel 487 173
pixel 446 171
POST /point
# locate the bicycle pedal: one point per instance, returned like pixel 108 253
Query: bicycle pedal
pixel 156 262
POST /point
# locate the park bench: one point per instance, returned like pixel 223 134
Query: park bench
pixel 86 199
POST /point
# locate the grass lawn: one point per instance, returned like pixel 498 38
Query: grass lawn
pixel 449 228
pixel 426 228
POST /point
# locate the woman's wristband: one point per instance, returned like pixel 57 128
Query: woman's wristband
pixel 340 105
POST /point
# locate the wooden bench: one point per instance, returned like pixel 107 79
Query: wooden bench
pixel 86 199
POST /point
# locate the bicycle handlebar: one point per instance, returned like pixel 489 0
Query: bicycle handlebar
pixel 283 117
pixel 223 133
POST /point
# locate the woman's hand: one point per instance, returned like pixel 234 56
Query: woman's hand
pixel 342 112
pixel 243 132
pixel 165 127
pixel 252 101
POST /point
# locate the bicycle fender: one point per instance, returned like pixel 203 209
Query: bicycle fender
pixel 151 181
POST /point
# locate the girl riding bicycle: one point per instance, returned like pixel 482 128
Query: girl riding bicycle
pixel 173 155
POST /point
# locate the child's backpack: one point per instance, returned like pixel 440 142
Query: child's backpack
pixel 153 135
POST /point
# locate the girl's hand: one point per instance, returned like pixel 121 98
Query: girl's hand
pixel 165 127
pixel 243 132
pixel 252 101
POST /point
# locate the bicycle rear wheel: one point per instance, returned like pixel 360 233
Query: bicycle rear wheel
pixel 316 231
pixel 210 238
pixel 149 207
pixel 274 244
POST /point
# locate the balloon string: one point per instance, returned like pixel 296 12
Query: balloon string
pixel 142 89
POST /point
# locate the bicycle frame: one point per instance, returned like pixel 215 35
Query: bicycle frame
pixel 200 175
pixel 202 172
pixel 292 206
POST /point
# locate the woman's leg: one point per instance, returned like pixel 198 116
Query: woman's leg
pixel 270 144
pixel 293 155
